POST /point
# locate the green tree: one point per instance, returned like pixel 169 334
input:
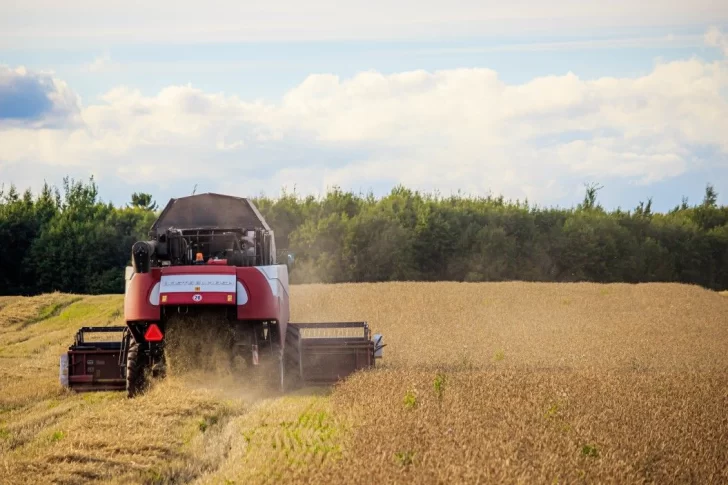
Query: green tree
pixel 143 201
pixel 72 241
pixel 19 227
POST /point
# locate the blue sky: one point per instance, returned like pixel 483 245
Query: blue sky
pixel 268 69
pixel 523 100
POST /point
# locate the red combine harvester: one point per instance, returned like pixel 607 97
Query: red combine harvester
pixel 213 256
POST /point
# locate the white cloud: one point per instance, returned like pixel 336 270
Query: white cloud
pixel 35 99
pixel 103 64
pixel 448 130
pixel 714 37
pixel 669 40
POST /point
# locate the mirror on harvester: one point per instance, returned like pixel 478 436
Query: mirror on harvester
pixel 289 260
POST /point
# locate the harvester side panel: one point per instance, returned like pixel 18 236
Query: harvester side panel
pixel 267 295
pixel 137 304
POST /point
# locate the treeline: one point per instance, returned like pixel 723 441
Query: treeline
pixel 410 236
pixel 71 241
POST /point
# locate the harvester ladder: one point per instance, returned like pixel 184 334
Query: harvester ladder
pixel 125 340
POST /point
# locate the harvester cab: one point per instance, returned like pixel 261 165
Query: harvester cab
pixel 214 257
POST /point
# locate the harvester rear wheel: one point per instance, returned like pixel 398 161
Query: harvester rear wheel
pixel 134 370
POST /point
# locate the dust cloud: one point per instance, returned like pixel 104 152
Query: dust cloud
pixel 200 355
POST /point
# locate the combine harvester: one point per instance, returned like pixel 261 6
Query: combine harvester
pixel 214 256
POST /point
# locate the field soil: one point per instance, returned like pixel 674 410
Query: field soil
pixel 480 383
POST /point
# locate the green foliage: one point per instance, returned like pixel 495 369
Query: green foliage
pixel 405 458
pixel 590 451
pixel 410 399
pixel 207 421
pixel 408 235
pixel 439 384
pixel 68 240
pixel 552 411
pixel 143 201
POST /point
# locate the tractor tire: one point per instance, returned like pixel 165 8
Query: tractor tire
pixel 135 370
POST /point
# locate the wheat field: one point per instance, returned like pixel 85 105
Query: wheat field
pixel 480 383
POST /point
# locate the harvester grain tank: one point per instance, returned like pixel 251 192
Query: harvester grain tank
pixel 214 256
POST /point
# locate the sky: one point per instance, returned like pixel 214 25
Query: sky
pixel 525 99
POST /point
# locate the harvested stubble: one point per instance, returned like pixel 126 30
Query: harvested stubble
pixel 51 436
pixel 542 383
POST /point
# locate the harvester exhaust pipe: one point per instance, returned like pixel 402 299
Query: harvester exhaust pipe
pixel 141 255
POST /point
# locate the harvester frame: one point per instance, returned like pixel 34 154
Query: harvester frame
pixel 214 255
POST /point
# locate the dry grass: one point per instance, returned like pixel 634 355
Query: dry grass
pixel 537 383
pixel 169 433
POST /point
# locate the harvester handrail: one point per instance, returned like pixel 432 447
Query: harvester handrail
pixel 329 324
pixel 79 341
pixel 102 329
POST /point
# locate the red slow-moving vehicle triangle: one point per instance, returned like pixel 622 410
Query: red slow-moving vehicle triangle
pixel 153 333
